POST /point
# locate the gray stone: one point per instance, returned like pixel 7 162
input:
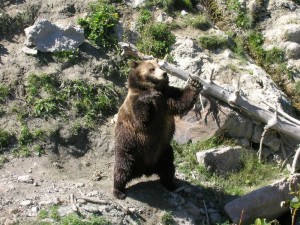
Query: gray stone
pixel 263 202
pixel 26 203
pixel 49 37
pixel 221 159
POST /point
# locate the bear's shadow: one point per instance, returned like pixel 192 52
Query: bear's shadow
pixel 155 195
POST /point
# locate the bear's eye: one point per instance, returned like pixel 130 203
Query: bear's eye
pixel 152 69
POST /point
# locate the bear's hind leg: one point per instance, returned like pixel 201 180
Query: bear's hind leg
pixel 166 169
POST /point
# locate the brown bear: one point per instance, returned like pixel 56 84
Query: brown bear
pixel 145 125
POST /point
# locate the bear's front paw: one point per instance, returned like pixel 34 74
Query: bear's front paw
pixel 195 82
pixel 119 194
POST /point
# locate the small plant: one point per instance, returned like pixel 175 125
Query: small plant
pixel 297 88
pixel 156 39
pixel 167 219
pixel 243 19
pixel 100 23
pixel 255 41
pixel 53 213
pixel 43 214
pixel 46 107
pixel 26 136
pixel 3 160
pixel 294 203
pixel 213 42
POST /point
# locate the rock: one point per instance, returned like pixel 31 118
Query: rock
pixel 26 179
pixel 221 160
pixel 49 37
pixel 26 203
pixel 135 3
pixel 263 202
pixel 184 13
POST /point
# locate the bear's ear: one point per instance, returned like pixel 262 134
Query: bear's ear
pixel 133 64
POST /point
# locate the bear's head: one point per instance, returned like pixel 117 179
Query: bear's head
pixel 147 75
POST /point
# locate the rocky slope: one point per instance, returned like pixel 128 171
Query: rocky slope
pixel 80 163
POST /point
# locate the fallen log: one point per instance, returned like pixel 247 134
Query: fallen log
pixel 278 122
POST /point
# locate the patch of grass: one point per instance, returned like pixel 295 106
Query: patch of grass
pixel 156 39
pixel 254 44
pixel 251 174
pixel 167 219
pixel 213 42
pixel 100 23
pixel 200 22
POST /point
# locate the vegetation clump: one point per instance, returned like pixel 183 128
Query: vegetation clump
pixel 99 25
pixel 200 22
pixel 156 39
pixel 213 42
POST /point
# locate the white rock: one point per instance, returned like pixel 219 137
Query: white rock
pixel 30 51
pixel 184 13
pixel 26 203
pixel 25 179
pixel 49 37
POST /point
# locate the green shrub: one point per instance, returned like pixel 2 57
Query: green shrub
pixel 243 19
pixel 156 39
pixel 213 42
pixel 254 44
pixel 171 5
pixel 100 23
pixel 200 22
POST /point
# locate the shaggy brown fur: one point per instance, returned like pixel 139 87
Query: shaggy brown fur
pixel 145 126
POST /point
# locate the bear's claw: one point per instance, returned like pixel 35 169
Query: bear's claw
pixel 194 82
pixel 119 194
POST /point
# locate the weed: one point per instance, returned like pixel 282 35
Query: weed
pixel 200 22
pixel 99 25
pixel 4 91
pixel 4 139
pixel 38 150
pixel 167 219
pixel 156 39
pixel 213 42
pixel 46 107
pixel 67 55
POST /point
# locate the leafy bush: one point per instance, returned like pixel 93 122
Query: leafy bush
pixel 67 55
pixel 100 23
pixel 297 88
pixel 167 219
pixel 213 42
pixel 156 39
pixel 254 44
pixel 243 19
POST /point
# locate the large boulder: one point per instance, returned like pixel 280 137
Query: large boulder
pixel 49 37
pixel 263 202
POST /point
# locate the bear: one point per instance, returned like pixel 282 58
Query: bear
pixel 145 125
